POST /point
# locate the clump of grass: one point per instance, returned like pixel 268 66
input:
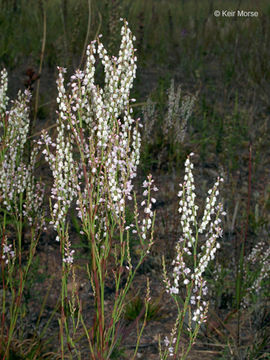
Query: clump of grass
pixel 135 308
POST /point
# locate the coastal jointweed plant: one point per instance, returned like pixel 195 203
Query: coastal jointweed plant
pixel 170 135
pixel 179 111
pixel 93 161
pixel 21 197
pixel 256 272
pixel 149 118
pixel 13 171
pixel 3 93
pixel 194 250
pixel 16 173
